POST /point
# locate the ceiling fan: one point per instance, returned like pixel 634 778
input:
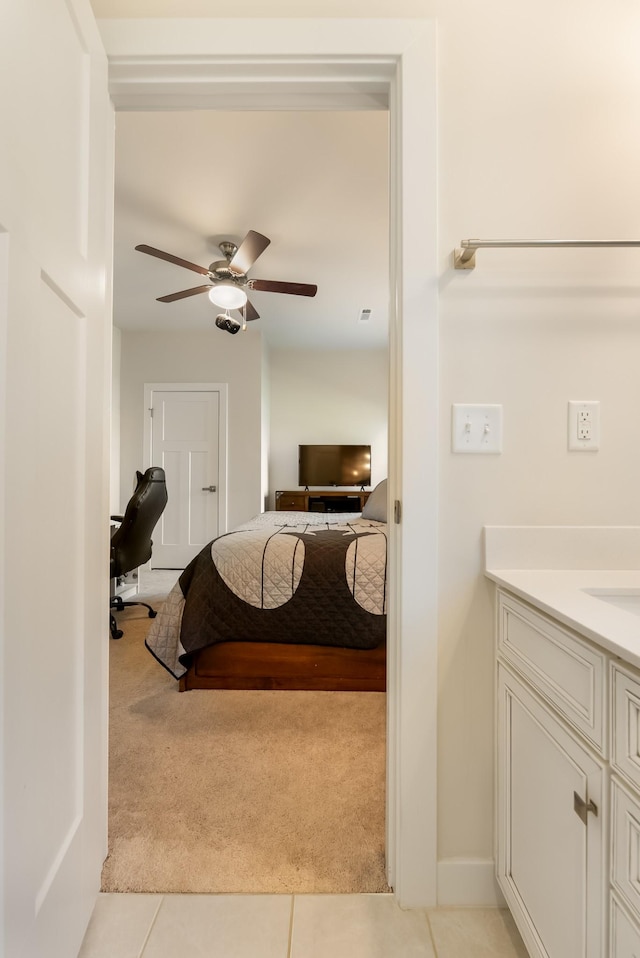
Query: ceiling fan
pixel 228 280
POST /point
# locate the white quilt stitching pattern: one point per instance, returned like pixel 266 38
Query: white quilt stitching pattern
pixel 163 636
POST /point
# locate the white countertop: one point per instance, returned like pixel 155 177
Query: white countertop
pixel 561 593
pixel 552 567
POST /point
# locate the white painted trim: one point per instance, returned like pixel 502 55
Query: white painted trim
pixel 413 479
pixel 187 64
pixel 468 882
pixel 223 434
pixel 4 371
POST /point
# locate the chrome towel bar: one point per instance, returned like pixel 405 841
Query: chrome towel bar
pixel 464 256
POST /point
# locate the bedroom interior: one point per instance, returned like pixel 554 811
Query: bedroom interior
pixel 310 370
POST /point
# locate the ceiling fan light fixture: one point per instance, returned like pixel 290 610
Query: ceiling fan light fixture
pixel 228 296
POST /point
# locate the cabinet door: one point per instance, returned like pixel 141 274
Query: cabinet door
pixel 549 858
pixel 625 935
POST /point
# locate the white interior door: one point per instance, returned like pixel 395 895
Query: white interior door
pixel 56 161
pixel 185 441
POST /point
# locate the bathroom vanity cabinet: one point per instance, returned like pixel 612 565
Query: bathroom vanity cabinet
pixel 568 785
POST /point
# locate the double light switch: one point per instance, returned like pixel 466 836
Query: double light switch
pixel 476 428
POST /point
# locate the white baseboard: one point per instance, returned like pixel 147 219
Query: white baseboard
pixel 468 881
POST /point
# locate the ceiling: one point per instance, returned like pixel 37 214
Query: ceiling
pixel 315 183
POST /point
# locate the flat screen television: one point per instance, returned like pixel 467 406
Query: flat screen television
pixel 334 465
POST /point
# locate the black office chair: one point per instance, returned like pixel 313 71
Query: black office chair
pixel 131 542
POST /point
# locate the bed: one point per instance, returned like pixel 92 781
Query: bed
pixel 288 600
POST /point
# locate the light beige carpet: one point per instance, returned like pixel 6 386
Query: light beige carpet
pixel 251 792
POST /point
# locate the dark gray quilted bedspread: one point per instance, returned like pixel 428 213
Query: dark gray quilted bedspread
pixel 279 580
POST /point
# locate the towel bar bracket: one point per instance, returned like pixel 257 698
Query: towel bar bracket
pixel 464 258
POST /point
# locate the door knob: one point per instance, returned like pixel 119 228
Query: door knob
pixel 208 488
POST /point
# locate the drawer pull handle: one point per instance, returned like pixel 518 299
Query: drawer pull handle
pixel 208 488
pixel 582 808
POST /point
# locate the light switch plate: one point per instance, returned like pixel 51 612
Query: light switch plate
pixel 476 428
pixel 584 425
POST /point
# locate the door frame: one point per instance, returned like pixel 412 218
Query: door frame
pixel 345 64
pixel 223 426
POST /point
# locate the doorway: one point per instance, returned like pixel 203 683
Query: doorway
pixel 343 392
pixel 319 60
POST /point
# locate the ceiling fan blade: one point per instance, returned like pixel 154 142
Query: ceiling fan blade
pixel 273 286
pixel 170 258
pixel 252 246
pixel 172 297
pixel 252 312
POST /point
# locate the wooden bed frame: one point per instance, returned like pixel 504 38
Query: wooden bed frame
pixel 271 665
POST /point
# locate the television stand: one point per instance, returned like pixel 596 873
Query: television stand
pixel 334 500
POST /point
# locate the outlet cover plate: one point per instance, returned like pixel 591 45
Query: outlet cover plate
pixel 476 428
pixel 584 425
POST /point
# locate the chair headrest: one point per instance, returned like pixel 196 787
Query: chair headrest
pixel 153 474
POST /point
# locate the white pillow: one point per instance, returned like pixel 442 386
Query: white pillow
pixel 376 505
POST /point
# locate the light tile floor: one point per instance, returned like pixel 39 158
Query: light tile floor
pixel 293 926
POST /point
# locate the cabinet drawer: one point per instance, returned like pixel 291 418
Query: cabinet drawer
pixel 625 845
pixel 563 668
pixel 291 502
pixel 624 933
pixel 625 690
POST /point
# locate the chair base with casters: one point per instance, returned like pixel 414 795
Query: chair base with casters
pixel 118 604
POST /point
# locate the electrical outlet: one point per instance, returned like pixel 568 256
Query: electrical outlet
pixel 584 426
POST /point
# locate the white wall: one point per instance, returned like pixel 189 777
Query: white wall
pixel 198 357
pixel 114 483
pixel 326 397
pixel 542 143
pixel 538 136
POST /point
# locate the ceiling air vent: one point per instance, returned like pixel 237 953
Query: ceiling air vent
pixel 365 316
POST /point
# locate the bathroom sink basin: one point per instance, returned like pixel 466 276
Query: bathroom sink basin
pixel 626 599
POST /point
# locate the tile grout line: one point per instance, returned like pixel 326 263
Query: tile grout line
pixel 430 930
pixel 150 929
pixel 290 942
